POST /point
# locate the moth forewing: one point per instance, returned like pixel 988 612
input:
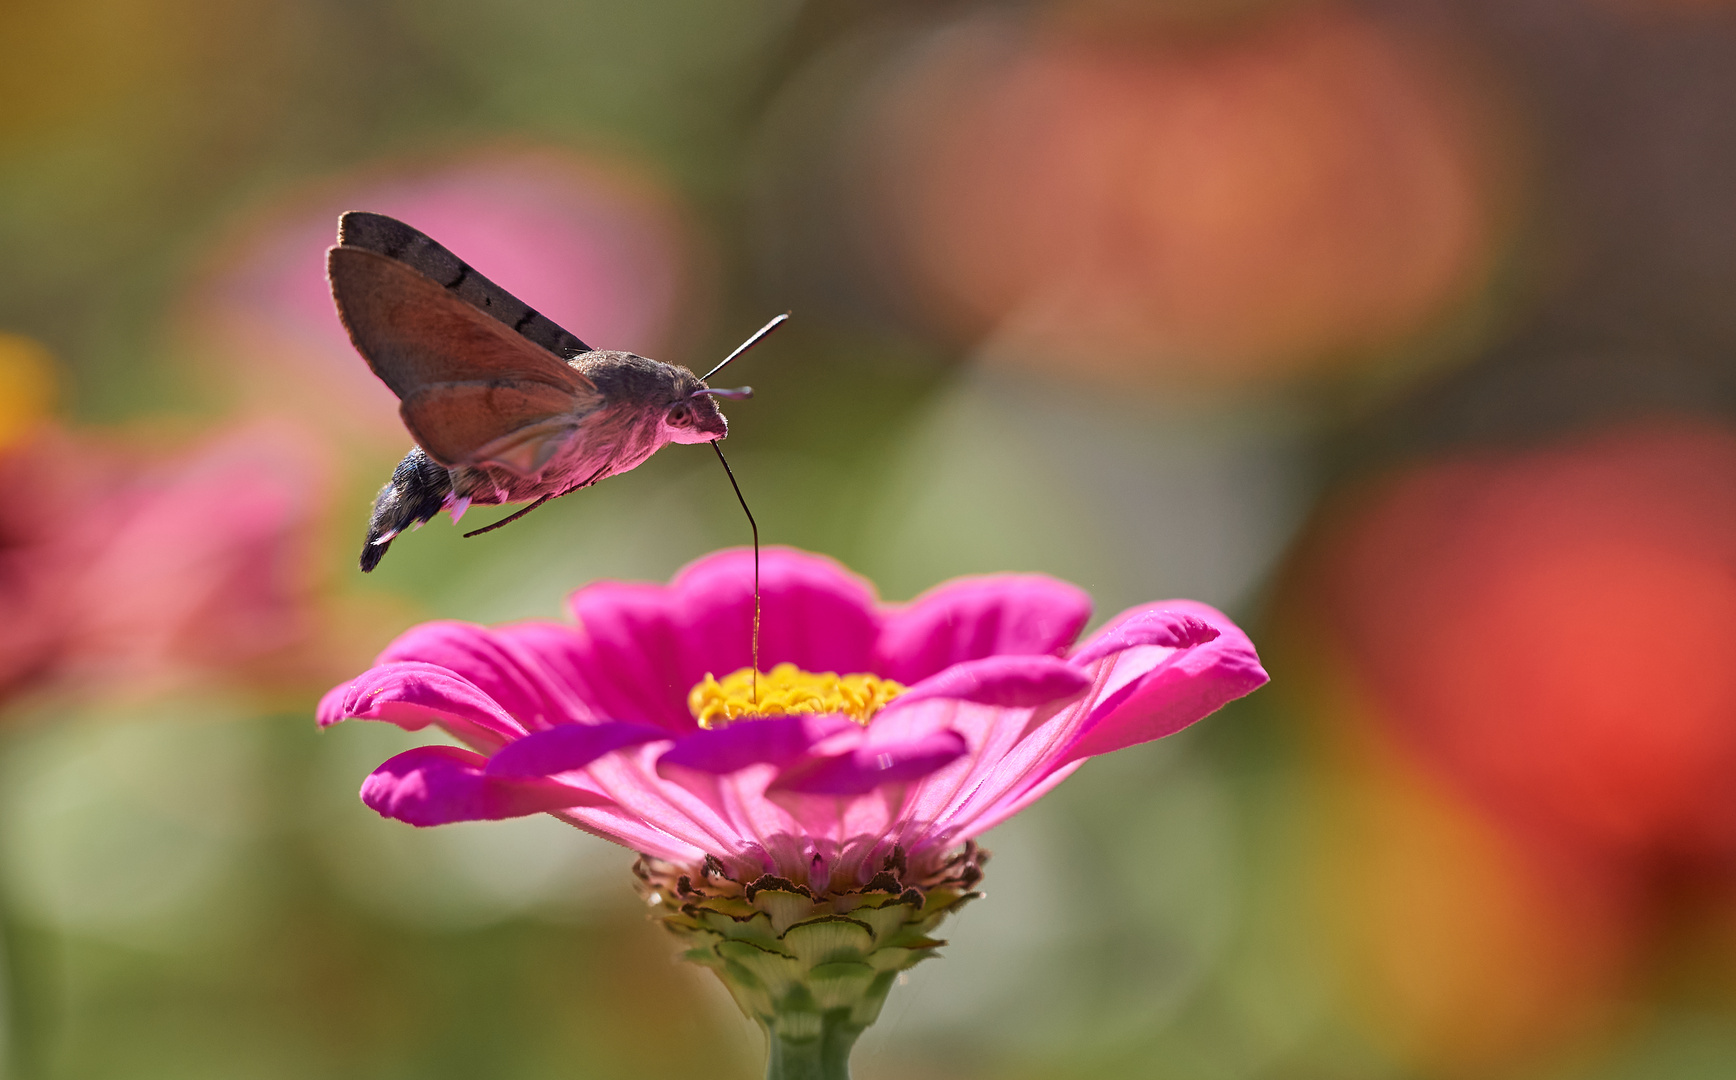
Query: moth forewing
pixel 394 239
pixel 414 332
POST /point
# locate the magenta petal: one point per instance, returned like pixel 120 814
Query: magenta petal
pixel 1176 687
pixel 333 705
pixel 436 785
pixel 645 646
pixel 814 613
pixel 414 695
pixel 780 741
pixel 567 747
pixel 972 618
pixel 508 663
pixel 1149 626
pixel 634 653
pixel 872 766
pixel 1011 682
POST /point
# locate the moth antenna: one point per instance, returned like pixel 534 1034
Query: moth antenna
pixel 740 393
pixel 748 344
pixel 754 525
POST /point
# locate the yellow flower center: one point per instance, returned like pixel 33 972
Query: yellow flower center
pixel 787 689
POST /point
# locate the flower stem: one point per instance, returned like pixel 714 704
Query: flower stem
pixel 822 1057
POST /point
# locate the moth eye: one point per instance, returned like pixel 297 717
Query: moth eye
pixel 678 414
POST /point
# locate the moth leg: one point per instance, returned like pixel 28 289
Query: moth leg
pixel 594 477
pixel 510 518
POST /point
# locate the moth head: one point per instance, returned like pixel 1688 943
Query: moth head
pixel 694 418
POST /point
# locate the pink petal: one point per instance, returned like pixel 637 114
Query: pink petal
pixel 621 826
pixel 1156 691
pixel 414 695
pixel 632 654
pixel 567 747
pixel 1008 751
pixel 780 741
pixel 689 805
pixel 726 771
pixel 973 618
pixel 511 664
pixel 814 613
pixel 1005 807
pixel 869 767
pixel 436 785
pixel 1011 682
pixel 1017 756
pixel 645 646
pixel 1163 626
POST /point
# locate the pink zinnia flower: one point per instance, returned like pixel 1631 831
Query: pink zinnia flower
pixel 592 722
pixel 805 855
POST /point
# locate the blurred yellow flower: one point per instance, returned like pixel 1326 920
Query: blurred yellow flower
pixel 27 386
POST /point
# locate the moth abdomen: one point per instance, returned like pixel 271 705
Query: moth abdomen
pixel 417 491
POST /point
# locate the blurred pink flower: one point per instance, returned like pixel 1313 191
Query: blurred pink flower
pixel 592 723
pixel 125 569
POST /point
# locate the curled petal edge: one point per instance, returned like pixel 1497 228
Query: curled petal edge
pixel 413 695
pixel 1151 626
pixel 438 785
pixel 1186 686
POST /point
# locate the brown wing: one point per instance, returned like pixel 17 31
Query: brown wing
pixel 518 424
pixel 396 240
pixel 415 333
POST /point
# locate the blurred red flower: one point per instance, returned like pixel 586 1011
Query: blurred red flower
pixel 1519 664
pixel 1556 629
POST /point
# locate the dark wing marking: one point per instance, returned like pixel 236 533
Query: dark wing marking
pixel 396 240
pixel 517 424
pixel 414 333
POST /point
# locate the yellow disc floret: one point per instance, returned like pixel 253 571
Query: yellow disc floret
pixel 787 689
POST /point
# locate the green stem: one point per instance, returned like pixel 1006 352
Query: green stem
pixel 825 1057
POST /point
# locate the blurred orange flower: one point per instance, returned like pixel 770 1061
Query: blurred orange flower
pixel 1465 947
pixel 1277 199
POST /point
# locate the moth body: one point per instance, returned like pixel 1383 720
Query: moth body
pixel 504 405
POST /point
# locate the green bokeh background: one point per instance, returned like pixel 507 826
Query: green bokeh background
pixel 191 888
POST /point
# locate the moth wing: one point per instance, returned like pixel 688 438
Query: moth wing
pixel 519 424
pixel 415 332
pixel 528 449
pixel 396 240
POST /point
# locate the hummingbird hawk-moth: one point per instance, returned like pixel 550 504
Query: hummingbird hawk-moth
pixel 504 405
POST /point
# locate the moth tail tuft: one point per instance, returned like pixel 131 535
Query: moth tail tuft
pixel 419 488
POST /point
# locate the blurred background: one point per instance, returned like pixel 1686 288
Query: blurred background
pixel 1405 331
